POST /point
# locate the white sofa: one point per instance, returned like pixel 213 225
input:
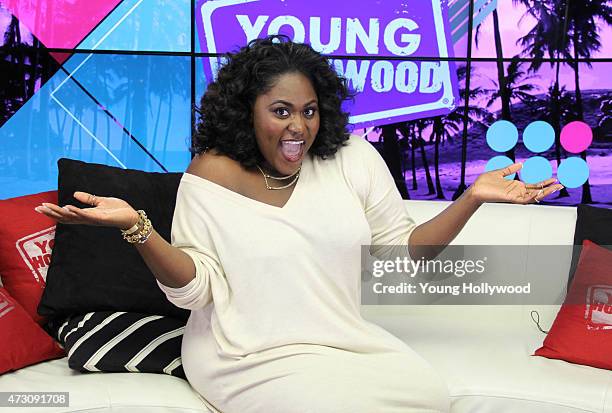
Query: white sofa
pixel 484 352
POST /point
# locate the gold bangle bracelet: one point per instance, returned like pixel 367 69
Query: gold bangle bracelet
pixel 133 229
pixel 143 231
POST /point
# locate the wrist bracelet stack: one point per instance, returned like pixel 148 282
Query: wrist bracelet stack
pixel 140 232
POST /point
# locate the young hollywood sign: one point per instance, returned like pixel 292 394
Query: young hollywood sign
pixel 390 90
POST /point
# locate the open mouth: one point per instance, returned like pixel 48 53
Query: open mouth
pixel 292 150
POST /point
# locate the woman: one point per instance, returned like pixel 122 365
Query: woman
pixel 269 221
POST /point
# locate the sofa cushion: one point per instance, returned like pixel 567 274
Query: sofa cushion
pixel 23 342
pixel 581 332
pixel 123 342
pixel 484 353
pixel 26 241
pixel 105 392
pixel 93 268
pixel 594 224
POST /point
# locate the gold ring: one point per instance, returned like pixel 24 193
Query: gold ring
pixel 540 192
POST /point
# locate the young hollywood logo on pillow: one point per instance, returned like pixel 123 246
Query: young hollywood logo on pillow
pixel 26 241
pixel 5 305
pixel 581 331
pixel 599 307
pixel 35 249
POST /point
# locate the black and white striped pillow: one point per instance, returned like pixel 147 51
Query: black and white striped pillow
pixel 123 342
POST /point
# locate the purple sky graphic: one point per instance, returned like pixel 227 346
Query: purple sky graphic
pixel 513 25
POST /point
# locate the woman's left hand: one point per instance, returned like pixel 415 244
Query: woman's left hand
pixel 492 186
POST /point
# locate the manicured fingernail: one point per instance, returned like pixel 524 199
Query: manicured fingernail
pixel 37 210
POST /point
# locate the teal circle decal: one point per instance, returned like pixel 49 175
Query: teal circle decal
pixel 539 136
pixel 573 172
pixel 535 169
pixel 499 162
pixel 502 136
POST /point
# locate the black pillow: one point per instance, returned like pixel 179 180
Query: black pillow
pixel 123 342
pixel 594 224
pixel 93 268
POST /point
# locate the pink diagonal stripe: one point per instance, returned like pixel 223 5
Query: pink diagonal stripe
pixel 60 23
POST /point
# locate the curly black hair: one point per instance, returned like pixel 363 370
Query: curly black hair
pixel 226 107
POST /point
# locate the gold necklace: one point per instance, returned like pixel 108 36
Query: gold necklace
pixel 296 175
pixel 278 178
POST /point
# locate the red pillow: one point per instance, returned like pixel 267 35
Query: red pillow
pixel 582 331
pixel 23 342
pixel 26 240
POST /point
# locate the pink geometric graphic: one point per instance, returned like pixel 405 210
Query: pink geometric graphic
pixel 60 23
pixel 576 136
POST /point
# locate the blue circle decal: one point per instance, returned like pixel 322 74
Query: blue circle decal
pixel 539 136
pixel 499 162
pixel 573 172
pixel 535 169
pixel 502 136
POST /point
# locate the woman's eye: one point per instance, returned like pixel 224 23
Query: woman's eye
pixel 281 112
pixel 309 113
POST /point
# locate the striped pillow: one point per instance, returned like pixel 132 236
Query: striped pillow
pixel 111 341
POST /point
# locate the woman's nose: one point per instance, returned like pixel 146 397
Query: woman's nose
pixel 296 124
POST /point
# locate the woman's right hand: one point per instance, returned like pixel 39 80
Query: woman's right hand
pixel 105 211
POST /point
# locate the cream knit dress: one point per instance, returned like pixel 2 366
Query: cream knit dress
pixel 275 325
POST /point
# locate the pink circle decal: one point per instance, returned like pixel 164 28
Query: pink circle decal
pixel 576 136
